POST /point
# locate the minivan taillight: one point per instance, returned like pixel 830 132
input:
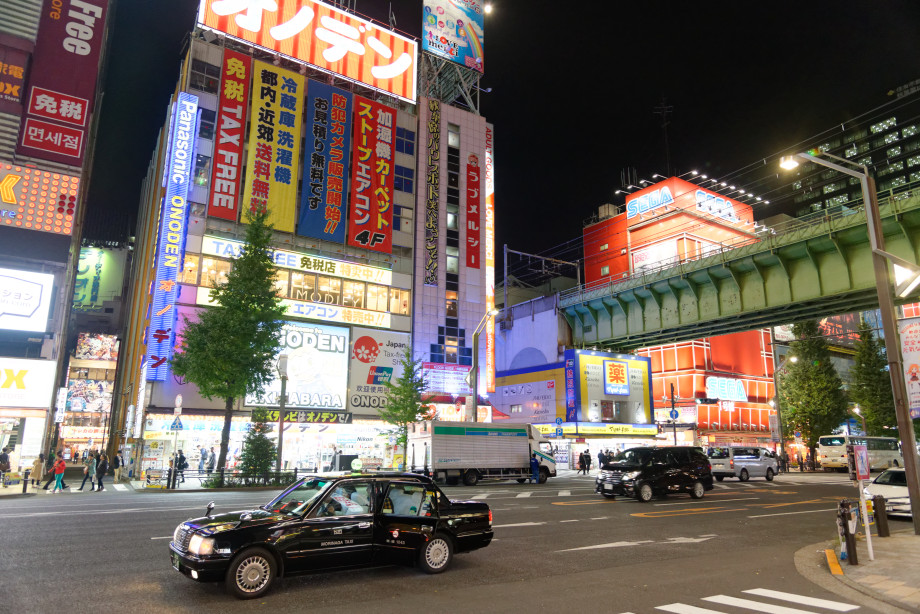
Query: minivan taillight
pixel 731 463
pixel 490 516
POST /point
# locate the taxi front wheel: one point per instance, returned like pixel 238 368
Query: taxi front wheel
pixel 251 573
pixel 436 554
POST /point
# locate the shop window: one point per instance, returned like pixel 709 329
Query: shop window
pixel 206 128
pixel 405 141
pixel 204 76
pixel 453 259
pixel 377 297
pixel 399 301
pixel 353 294
pixel 329 290
pixel 214 272
pixel 202 171
pixel 303 287
pixel 452 305
pixel 189 274
pixel 281 283
pixel 403 179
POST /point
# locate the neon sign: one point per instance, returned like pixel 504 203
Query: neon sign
pixel 714 205
pixel 649 202
pixel 725 389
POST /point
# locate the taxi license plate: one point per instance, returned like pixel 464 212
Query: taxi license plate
pixel 175 561
pixel 608 486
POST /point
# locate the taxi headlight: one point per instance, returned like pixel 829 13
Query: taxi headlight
pixel 200 545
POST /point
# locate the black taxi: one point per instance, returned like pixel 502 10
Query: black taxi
pixel 322 523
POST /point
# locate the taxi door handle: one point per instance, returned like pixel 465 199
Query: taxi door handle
pixel 364 525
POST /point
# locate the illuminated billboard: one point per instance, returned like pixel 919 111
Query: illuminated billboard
pixel 226 171
pixel 676 194
pixel 375 361
pixel 317 369
pixel 490 259
pixel 325 170
pixel 473 217
pixel 452 29
pixel 326 37
pixel 96 346
pixel 432 198
pixel 25 299
pixel 171 239
pixel 62 80
pixel 37 200
pixel 13 64
pixel 370 214
pixel 100 274
pixel 603 387
pixel 26 383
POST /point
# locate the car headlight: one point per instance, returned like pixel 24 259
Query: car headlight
pixel 631 475
pixel 200 545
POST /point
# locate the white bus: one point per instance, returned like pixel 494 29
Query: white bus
pixel 884 452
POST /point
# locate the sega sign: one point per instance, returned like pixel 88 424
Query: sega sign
pixel 649 202
pixel 171 241
pixel 717 206
pixel 725 389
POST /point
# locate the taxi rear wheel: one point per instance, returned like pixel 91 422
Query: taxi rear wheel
pixel 769 475
pixel 251 573
pixel 644 493
pixel 697 490
pixel 744 477
pixel 436 555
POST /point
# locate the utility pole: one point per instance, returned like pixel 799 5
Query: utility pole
pixel 664 109
pixel 673 411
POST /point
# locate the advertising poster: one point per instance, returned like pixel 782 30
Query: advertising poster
pixel 909 329
pixel 26 383
pixel 452 29
pixel 591 382
pixel 370 216
pixel 90 395
pixel 100 273
pixel 375 361
pixel 13 63
pixel 325 170
pixel 317 369
pixel 432 202
pixel 274 144
pixel 25 299
pixel 96 346
pixel 449 379
pixel 226 169
pixel 37 200
pixel 473 219
pixel 326 37
pixel 62 80
pixel 616 377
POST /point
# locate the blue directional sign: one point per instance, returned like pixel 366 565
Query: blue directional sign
pixel 559 421
pixel 176 424
pixel 559 432
pixel 674 414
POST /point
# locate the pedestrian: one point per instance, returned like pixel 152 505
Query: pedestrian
pixel 798 458
pixel 601 458
pixel 534 469
pixel 89 472
pixel 587 461
pixel 581 463
pixel 38 465
pixel 58 469
pixel 4 464
pixel 202 458
pixel 181 465
pixel 101 470
pixel 117 463
pixel 808 461
pixel 50 466
pixel 212 460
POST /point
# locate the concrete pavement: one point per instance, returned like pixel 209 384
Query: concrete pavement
pixel 893 577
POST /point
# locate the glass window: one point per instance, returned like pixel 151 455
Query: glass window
pixel 296 500
pixel 329 289
pixel 208 119
pixel 404 179
pixel 407 500
pixel 346 499
pixel 450 354
pixel 453 259
pixel 453 135
pixel 405 141
pixel 282 278
pixel 189 274
pixel 202 170
pixel 399 301
pixel 214 272
pixel 204 76
pixel 452 217
pixel 303 287
pixel 452 305
pixel 353 294
pixel 377 297
pixel 605 270
pixel 604 247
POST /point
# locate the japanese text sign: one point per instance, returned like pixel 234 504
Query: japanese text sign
pixel 274 144
pixel 473 219
pixel 616 377
pixel 375 361
pixel 37 200
pixel 171 240
pixel 370 219
pixel 62 80
pixel 228 141
pixel 325 167
pixel 452 29
pixel 25 300
pixel 909 333
pixel 311 417
pixel 13 64
pixel 326 37
pixel 432 199
pixel 26 383
pixel 490 258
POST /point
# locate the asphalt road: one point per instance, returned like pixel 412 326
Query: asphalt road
pixel 557 546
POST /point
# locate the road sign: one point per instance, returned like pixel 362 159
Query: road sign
pixel 176 424
pixel 559 421
pixel 559 432
pixel 674 414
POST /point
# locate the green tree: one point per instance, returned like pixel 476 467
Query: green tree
pixel 405 399
pixel 259 452
pixel 229 350
pixel 871 383
pixel 811 393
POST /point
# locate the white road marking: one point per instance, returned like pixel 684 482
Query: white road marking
pixel 167 537
pixel 518 524
pixel 568 521
pixel 709 535
pixel 524 495
pixel 601 518
pixel 754 605
pixel 802 599
pixel 719 485
pixel 119 487
pixel 565 493
pixel 711 501
pixel 681 608
pixel 687 540
pixel 481 496
pixel 792 513
pixel 610 545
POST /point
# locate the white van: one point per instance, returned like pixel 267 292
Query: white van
pixel 742 463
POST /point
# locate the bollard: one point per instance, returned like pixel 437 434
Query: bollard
pixel 169 478
pixel 221 483
pixel 25 480
pixel 881 516
pixel 844 514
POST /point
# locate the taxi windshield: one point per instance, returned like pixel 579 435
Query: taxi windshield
pixel 298 499
pixel 634 456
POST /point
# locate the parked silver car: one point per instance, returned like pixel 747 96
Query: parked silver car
pixel 742 463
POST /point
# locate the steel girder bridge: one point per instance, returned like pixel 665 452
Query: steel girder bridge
pixel 806 268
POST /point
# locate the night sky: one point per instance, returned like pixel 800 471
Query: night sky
pixel 574 87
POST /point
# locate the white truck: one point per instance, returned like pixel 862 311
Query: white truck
pixel 470 451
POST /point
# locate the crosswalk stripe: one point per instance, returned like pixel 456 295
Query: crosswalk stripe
pixel 119 487
pixel 480 496
pixel 801 599
pixel 565 493
pixel 754 605
pixel 682 608
pixel 523 495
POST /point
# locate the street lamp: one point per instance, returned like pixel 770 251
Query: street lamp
pixel 282 372
pixel 859 413
pixel 472 399
pixel 886 307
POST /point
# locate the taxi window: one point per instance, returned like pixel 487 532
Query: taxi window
pixel 408 500
pixel 346 499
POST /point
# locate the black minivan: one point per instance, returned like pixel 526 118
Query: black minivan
pixel 645 472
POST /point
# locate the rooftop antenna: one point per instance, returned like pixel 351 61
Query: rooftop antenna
pixel 392 17
pixel 664 109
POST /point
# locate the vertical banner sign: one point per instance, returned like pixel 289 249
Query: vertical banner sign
pixel 325 165
pixel 571 413
pixel 171 239
pixel 433 181
pixel 274 144
pixel 370 220
pixel 473 222
pixel 909 329
pixel 490 260
pixel 228 145
pixel 62 80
